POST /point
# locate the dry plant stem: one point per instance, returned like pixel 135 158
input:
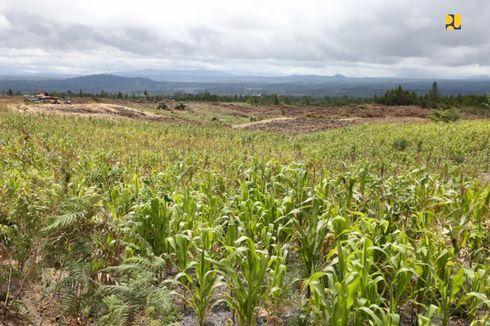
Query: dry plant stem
pixel 10 274
pixel 31 266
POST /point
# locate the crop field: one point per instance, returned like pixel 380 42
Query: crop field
pixel 230 214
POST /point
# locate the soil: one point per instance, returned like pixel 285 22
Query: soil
pixel 277 118
pixel 311 119
pixel 93 110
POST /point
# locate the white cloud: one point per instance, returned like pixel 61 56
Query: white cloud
pixel 353 37
pixel 4 23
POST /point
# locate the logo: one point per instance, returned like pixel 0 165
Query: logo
pixel 453 22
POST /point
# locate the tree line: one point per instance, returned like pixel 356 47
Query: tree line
pixel 395 97
pixel 432 99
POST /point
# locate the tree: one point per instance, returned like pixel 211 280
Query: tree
pixel 434 96
pixel 275 99
pixel 398 96
pixel 10 92
pixel 119 95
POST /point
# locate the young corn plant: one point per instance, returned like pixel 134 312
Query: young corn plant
pixel 180 249
pixel 276 275
pixel 448 282
pixel 200 287
pixel 152 223
pixel 318 305
pixel 245 272
pixel 310 230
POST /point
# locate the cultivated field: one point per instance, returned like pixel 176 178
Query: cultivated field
pixel 116 213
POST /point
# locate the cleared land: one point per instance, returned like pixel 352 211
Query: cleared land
pixel 279 118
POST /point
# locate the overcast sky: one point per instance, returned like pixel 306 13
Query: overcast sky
pixel 265 37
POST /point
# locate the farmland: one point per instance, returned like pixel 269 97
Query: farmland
pixel 117 213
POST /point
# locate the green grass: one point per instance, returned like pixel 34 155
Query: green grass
pixel 378 223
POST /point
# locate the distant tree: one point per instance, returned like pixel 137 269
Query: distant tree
pixel 434 96
pixel 398 96
pixel 10 92
pixel 119 95
pixel 275 99
pixel 487 103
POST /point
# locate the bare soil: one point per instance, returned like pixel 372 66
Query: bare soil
pixel 277 118
pixel 311 119
pixel 92 109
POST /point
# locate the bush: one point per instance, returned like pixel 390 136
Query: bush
pixel 162 106
pixel 447 116
pixel 487 103
pixel 401 144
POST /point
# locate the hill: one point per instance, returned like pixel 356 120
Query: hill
pixel 317 86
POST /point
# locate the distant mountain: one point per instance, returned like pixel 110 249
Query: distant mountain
pixel 479 77
pixel 89 84
pixel 212 76
pixel 178 75
pixel 318 86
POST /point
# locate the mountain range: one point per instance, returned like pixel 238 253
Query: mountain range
pixel 195 81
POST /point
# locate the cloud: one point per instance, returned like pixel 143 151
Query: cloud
pixel 353 37
pixel 4 23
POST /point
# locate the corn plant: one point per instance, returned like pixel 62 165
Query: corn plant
pixel 152 221
pixel 199 288
pixel 180 245
pixel 244 271
pixel 391 230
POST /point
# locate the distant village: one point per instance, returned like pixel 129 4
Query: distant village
pixel 43 97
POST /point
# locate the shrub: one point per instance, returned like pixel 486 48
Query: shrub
pixel 162 106
pixel 447 116
pixel 401 144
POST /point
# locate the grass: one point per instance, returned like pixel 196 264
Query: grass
pixel 379 224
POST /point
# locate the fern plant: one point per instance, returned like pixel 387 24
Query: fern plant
pixel 69 245
pixel 136 287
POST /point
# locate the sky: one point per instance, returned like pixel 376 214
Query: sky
pixel 358 38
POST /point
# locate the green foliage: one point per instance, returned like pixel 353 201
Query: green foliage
pixel 245 270
pixel 398 96
pixel 162 106
pixel 401 144
pixel 133 217
pixel 434 96
pixel 486 104
pixel 447 116
pixel 135 289
pixel 199 290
